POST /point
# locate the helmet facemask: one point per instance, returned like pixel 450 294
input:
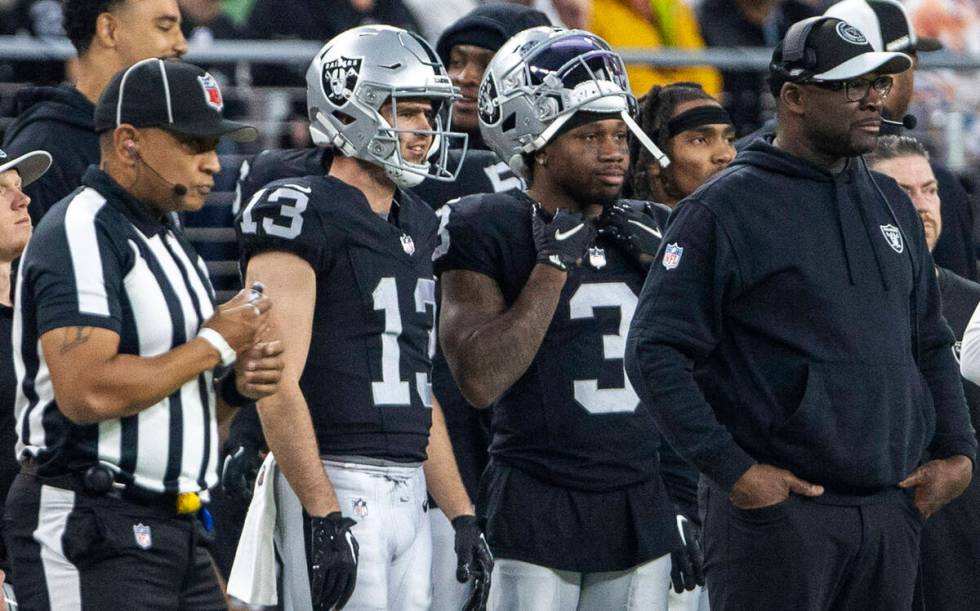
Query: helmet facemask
pixel 384 148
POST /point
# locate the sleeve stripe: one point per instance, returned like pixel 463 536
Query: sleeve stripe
pixel 86 260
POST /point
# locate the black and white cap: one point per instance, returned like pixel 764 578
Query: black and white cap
pixel 171 95
pixel 829 49
pixel 30 166
pixel 885 23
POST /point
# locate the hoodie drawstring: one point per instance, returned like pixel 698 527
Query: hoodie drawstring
pixel 873 243
pixel 848 259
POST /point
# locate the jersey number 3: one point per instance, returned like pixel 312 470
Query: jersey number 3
pixel 582 305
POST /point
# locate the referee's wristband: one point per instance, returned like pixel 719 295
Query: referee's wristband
pixel 219 343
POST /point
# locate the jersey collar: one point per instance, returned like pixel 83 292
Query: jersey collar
pixel 123 201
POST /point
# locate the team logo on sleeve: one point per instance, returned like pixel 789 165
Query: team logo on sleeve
pixel 143 536
pixel 212 94
pixel 894 237
pixel 672 256
pixel 340 78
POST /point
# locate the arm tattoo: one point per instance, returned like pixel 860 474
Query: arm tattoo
pixel 75 337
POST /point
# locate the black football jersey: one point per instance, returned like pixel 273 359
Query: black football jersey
pixel 573 418
pixel 482 172
pixel 366 379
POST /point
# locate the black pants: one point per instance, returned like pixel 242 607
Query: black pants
pixel 951 554
pixel 804 555
pixel 70 549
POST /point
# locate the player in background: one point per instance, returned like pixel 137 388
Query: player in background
pixel 108 35
pixel 693 129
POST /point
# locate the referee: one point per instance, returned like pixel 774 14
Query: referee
pixel 117 345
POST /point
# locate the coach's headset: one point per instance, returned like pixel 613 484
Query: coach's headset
pixel 795 51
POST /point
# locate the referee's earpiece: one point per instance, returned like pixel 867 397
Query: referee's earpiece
pixel 130 147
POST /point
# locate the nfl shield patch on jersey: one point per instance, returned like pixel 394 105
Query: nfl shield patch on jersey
pixel 143 536
pixel 672 256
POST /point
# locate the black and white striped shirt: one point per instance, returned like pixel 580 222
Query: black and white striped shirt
pixel 97 259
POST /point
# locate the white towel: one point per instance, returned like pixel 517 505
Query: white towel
pixel 253 575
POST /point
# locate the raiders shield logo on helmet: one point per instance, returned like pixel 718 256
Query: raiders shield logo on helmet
pixel 487 100
pixel 340 78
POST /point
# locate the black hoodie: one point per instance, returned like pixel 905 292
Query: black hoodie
pixel 955 249
pixel 793 318
pixel 61 121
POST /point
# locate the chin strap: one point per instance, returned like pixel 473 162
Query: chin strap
pixel 662 160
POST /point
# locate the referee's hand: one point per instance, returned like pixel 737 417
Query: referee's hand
pixel 259 369
pixel 242 320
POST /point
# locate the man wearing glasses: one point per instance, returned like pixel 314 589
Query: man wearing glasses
pixel 794 311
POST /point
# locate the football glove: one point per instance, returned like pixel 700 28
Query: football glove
pixel 239 471
pixel 635 231
pixel 333 561
pixel 563 241
pixel 686 564
pixel 473 561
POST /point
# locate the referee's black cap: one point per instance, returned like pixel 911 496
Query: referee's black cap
pixel 172 95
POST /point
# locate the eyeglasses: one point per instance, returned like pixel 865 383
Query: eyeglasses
pixel 857 89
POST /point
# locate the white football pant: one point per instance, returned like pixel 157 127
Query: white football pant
pixel 388 503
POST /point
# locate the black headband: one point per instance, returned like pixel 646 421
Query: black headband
pixel 696 117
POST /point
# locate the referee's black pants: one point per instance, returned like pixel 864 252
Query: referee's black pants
pixel 807 555
pixel 71 549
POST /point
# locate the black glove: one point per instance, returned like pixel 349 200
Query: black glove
pixel 239 471
pixel 333 561
pixel 633 229
pixel 473 560
pixel 686 564
pixel 564 240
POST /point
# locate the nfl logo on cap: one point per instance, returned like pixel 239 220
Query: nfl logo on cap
pixel 212 95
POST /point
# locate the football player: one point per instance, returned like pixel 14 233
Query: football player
pixel 538 292
pixel 356 434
